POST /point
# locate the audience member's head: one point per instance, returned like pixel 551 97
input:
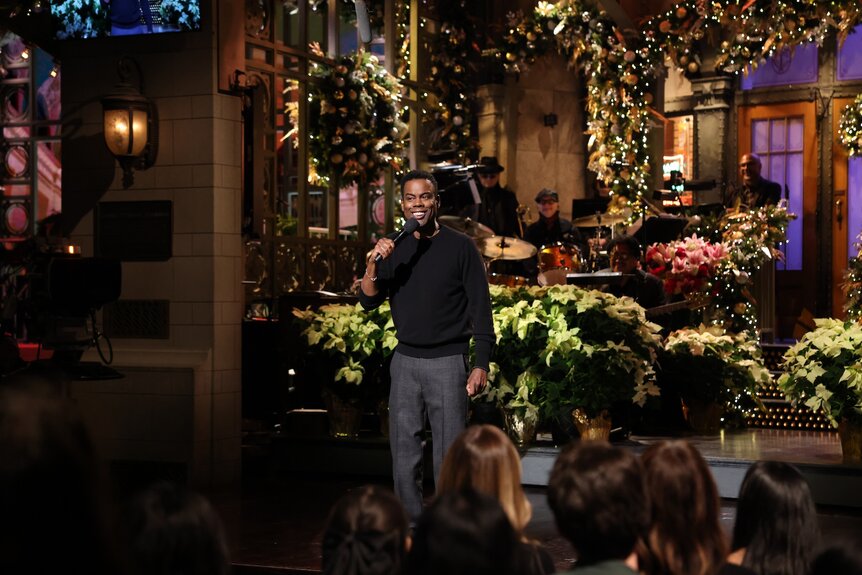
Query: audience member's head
pixel 463 533
pixel 175 531
pixel 776 521
pixel 483 458
pixel 53 504
pixel 685 536
pixel 366 534
pixel 843 556
pixel 597 494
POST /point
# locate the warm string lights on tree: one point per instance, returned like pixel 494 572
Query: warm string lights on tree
pixel 402 34
pixel 850 127
pixel 852 285
pixel 355 131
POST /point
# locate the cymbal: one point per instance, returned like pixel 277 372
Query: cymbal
pixel 506 248
pixel 598 220
pixel 466 226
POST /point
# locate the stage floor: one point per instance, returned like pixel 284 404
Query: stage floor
pixel 799 447
pixel 275 522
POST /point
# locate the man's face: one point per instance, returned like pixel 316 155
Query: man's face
pixel 548 207
pixel 622 259
pixel 489 179
pixel 749 169
pixel 419 201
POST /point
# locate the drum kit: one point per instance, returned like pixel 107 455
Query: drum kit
pixel 555 260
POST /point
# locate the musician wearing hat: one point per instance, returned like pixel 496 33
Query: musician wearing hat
pixel 550 227
pixel 498 206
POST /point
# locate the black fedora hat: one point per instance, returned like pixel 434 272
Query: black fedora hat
pixel 488 165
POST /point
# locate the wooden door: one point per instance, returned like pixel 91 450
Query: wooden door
pixel 791 160
pixel 846 208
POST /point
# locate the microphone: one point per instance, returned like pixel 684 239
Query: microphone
pixel 410 226
pixel 362 21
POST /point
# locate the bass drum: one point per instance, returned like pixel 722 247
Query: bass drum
pixel 507 280
pixel 560 256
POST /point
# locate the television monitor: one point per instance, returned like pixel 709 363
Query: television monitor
pixel 101 18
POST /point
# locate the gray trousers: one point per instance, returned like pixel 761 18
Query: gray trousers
pixel 436 387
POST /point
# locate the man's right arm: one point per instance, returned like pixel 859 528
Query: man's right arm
pixel 370 293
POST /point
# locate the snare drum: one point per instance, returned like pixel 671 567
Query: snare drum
pixel 507 280
pixel 559 256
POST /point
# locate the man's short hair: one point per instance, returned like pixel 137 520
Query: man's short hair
pixel 632 242
pixel 419 175
pixel 599 500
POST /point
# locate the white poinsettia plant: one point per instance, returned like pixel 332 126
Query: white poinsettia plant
pixel 356 338
pixel 823 370
pixel 715 365
pixel 562 346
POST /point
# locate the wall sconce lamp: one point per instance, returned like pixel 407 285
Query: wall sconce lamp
pixel 550 120
pixel 130 123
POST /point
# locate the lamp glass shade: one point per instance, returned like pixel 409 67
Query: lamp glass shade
pixel 125 131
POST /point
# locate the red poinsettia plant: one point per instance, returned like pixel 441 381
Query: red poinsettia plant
pixel 685 266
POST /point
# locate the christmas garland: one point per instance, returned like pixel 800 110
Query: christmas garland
pixel 355 129
pixel 618 68
pixel 850 127
pixel 852 285
pixel 452 98
pixel 618 85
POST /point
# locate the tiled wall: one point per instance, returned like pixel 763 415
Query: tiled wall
pixel 181 397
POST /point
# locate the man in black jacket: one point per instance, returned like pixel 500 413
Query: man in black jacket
pixel 436 284
pixel 756 191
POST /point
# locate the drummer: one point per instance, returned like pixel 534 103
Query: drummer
pixel 550 227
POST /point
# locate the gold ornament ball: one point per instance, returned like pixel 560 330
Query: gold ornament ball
pixel 692 67
pixel 511 57
pixel 630 79
pixel 629 56
pixel 648 98
pixel 725 45
pixel 683 59
pixel 336 158
pixel 531 36
pixel 453 136
pixel 457 120
pixel 681 12
pixel 664 26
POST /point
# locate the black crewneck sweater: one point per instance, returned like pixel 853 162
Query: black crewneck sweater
pixel 439 296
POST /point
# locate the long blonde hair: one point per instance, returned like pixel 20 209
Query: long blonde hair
pixel 484 459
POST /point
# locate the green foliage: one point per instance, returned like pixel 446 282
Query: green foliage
pixel 824 370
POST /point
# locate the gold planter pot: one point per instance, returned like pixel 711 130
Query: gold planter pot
pixel 704 417
pixel 596 428
pixel 345 416
pixel 521 431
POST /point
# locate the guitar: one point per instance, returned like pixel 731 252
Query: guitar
pixel 691 304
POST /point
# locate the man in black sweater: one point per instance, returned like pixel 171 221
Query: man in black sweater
pixel 436 284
